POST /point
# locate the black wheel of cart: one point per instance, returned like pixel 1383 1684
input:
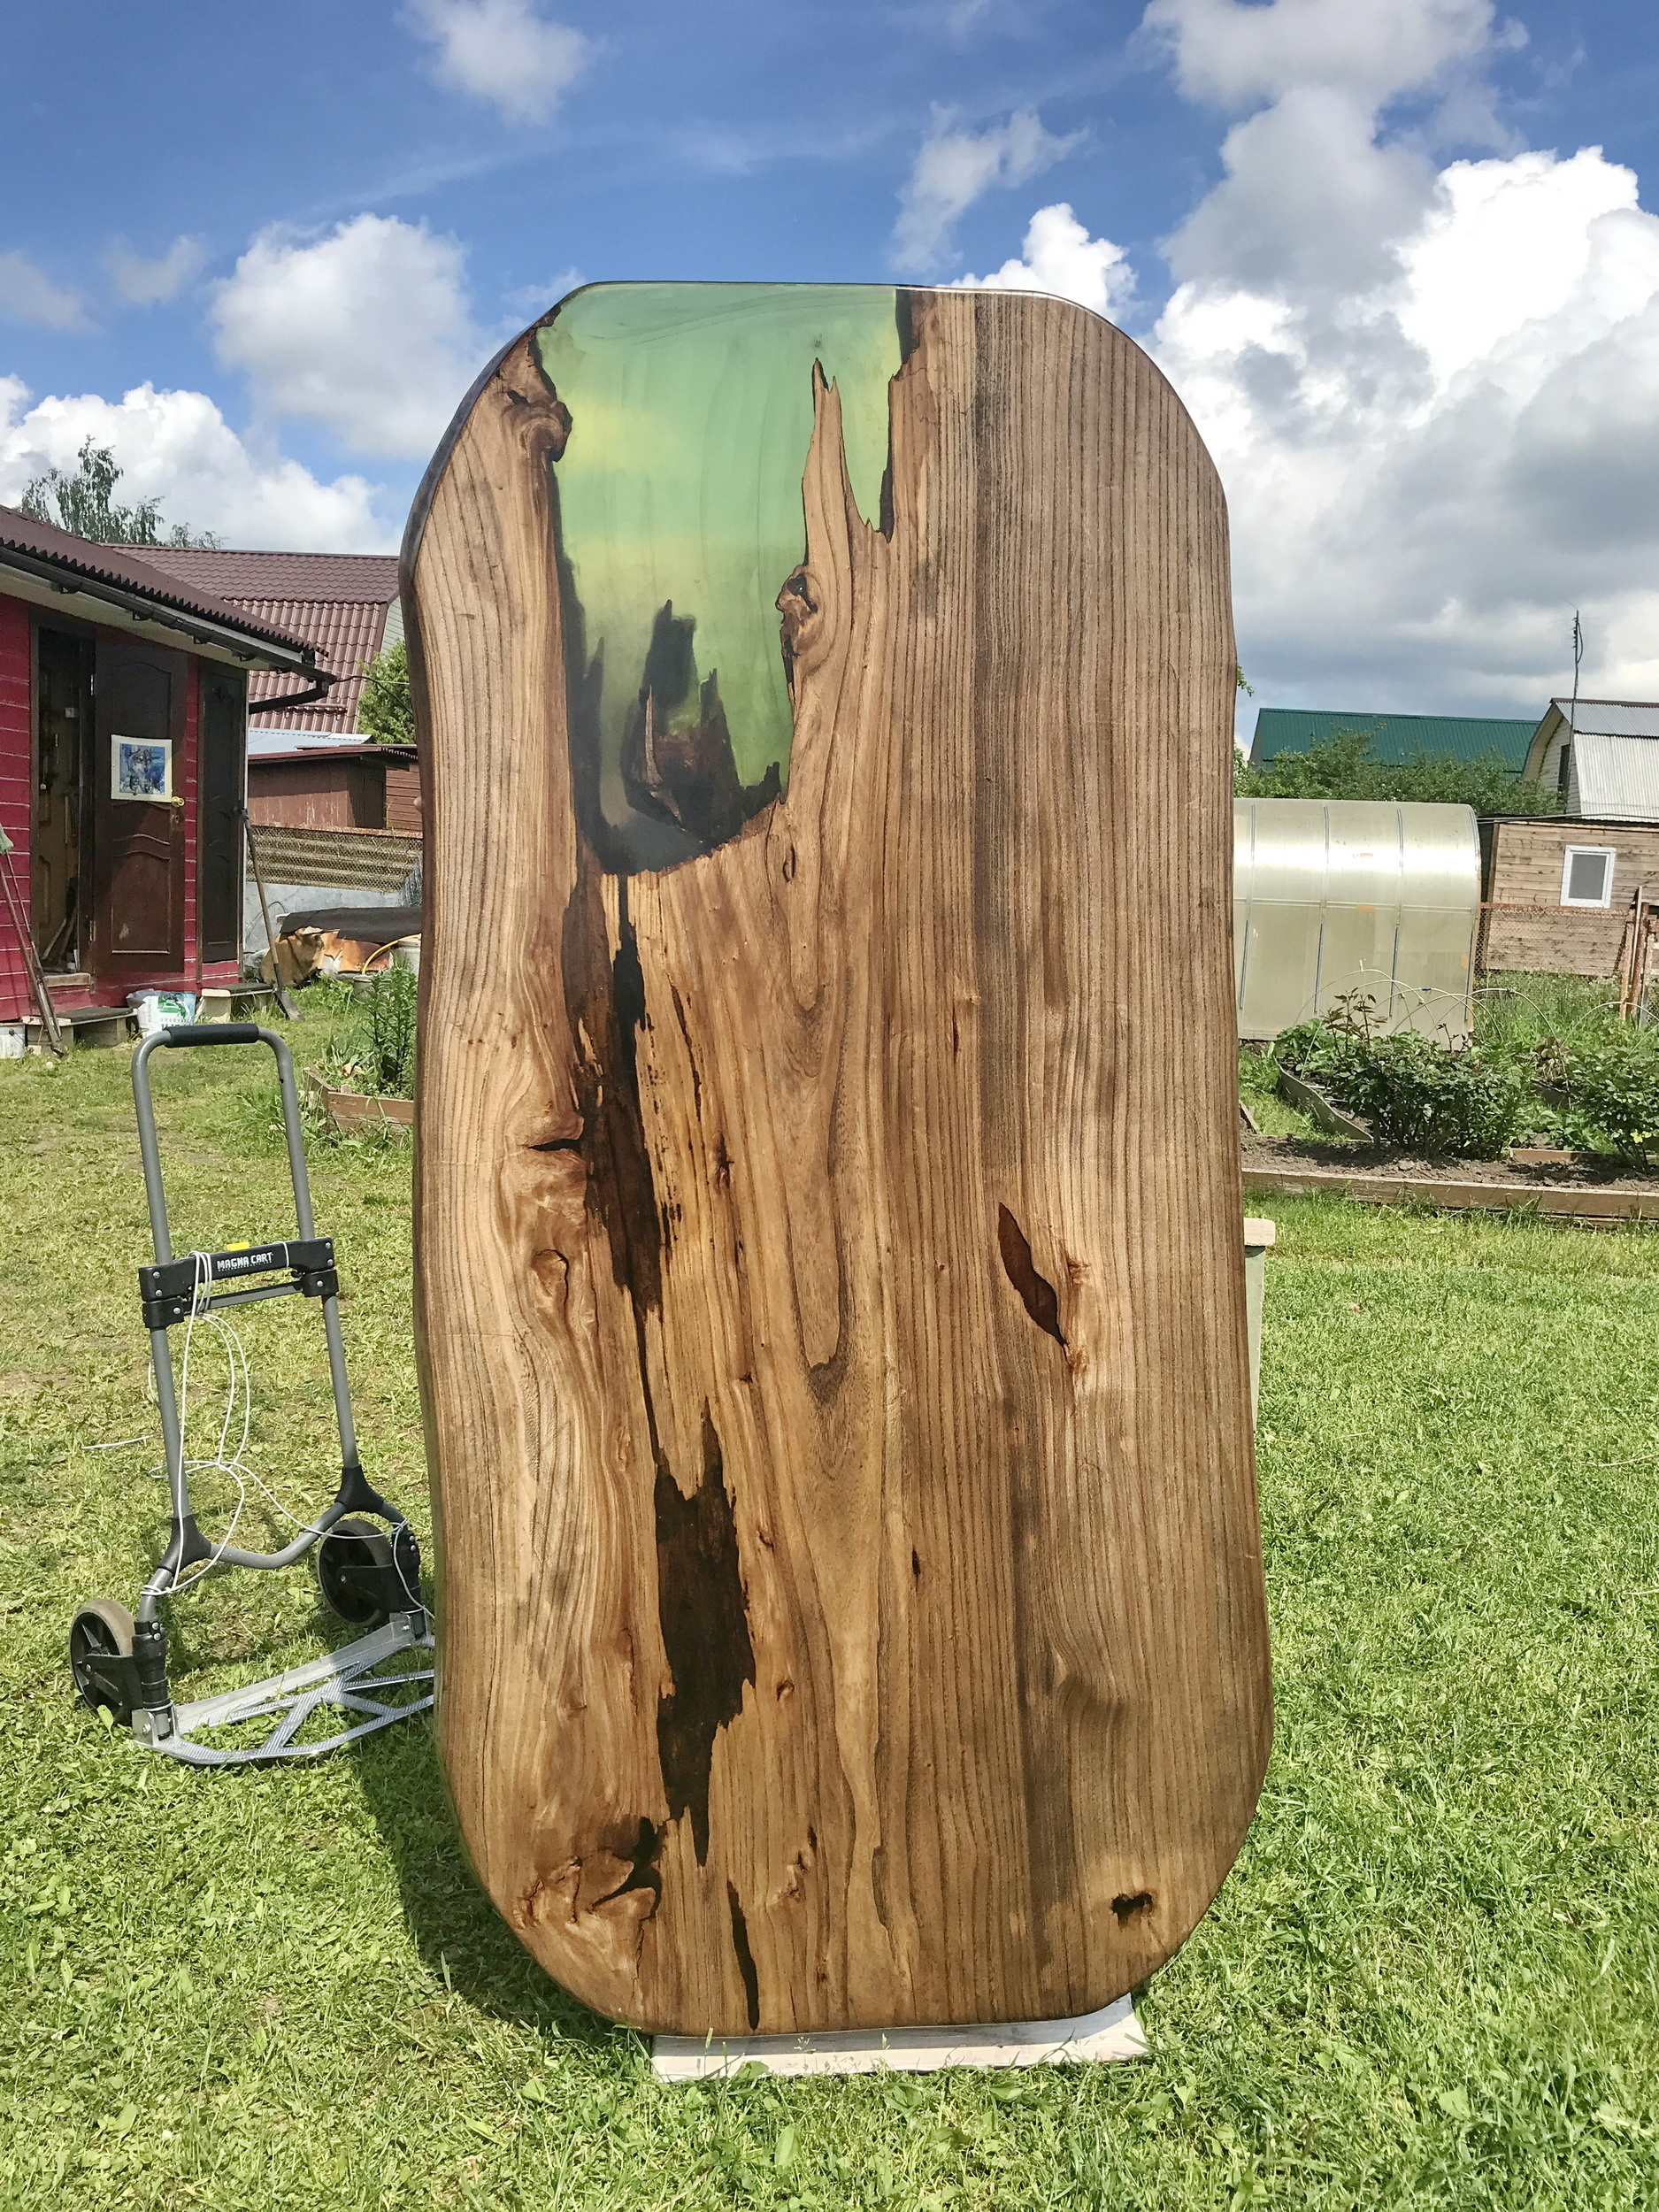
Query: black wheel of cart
pixel 101 1658
pixel 366 1575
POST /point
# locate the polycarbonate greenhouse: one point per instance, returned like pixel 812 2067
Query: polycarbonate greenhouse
pixel 1337 895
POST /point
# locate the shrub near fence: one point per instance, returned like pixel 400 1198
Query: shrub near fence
pixel 1417 1096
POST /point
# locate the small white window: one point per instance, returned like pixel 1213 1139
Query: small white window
pixel 1586 875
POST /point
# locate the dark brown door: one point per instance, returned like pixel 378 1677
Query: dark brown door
pixel 138 811
pixel 221 741
pixel 63 747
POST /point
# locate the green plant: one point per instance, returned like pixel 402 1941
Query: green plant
pixel 385 710
pixel 1516 1014
pixel 391 1011
pixel 376 1054
pixel 1419 1096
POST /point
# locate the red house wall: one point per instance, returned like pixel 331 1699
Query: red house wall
pixel 15 724
pixel 17 1001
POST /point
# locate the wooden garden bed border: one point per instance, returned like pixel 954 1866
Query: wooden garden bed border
pixel 349 1111
pixel 1599 1208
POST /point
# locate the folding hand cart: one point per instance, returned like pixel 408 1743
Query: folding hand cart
pixel 368 1576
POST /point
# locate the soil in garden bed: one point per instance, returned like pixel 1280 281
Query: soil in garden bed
pixel 1359 1160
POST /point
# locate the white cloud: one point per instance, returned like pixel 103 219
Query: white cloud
pixel 26 296
pixel 501 50
pixel 145 282
pixel 367 332
pixel 526 301
pixel 1060 257
pixel 954 167
pixel 1237 55
pixel 1434 396
pixel 177 447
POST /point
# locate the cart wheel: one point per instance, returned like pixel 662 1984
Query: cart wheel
pixel 101 1658
pixel 365 1575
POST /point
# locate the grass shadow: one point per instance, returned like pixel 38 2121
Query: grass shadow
pixel 460 1936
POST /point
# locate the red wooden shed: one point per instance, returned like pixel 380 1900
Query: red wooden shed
pixel 123 747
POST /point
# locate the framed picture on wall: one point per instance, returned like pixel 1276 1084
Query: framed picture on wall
pixel 141 768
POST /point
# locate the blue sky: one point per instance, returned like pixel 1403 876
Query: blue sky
pixel 1416 318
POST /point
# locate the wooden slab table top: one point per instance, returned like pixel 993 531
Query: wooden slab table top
pixel 829 1284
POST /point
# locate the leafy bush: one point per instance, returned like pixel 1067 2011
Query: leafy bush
pixel 1419 1096
pixel 1610 1090
pixel 1344 767
pixel 386 712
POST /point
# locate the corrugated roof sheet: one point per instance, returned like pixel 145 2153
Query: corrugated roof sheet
pixel 120 565
pixel 1613 779
pixel 337 601
pixel 1393 737
pixel 1611 718
pixel 346 633
pixel 310 739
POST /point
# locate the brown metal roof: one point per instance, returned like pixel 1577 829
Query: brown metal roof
pixel 261 576
pixel 132 572
pixel 346 636
pixel 337 601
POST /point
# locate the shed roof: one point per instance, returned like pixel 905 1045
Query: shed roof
pixel 283 753
pixel 135 575
pixel 1394 738
pixel 311 744
pixel 1609 717
pixel 337 601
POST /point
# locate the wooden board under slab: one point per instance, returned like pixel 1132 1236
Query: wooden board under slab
pixel 829 1280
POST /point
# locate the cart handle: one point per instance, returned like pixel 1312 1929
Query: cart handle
pixel 211 1033
pixel 216 1033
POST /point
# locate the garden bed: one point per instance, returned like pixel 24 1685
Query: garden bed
pixel 1589 1188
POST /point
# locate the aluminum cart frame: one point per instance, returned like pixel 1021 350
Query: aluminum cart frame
pixel 368 1578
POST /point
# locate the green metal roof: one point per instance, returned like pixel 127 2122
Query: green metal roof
pixel 1393 737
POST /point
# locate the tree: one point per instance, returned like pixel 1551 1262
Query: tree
pixel 385 711
pixel 1343 768
pixel 85 503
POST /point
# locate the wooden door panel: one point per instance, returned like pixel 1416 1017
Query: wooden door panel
pixel 830 1290
pixel 138 921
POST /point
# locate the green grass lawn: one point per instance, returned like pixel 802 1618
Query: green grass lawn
pixel 1432 1979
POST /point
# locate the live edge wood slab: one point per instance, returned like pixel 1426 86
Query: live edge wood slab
pixel 829 1284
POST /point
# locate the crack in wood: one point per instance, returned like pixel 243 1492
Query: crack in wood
pixel 1037 1292
pixel 745 1958
pixel 703 1609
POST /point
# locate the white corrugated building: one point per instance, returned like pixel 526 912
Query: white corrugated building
pixel 1601 756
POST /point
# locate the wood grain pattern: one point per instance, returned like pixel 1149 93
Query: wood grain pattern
pixel 829 1278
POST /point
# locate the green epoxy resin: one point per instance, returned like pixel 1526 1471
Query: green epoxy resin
pixel 679 515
